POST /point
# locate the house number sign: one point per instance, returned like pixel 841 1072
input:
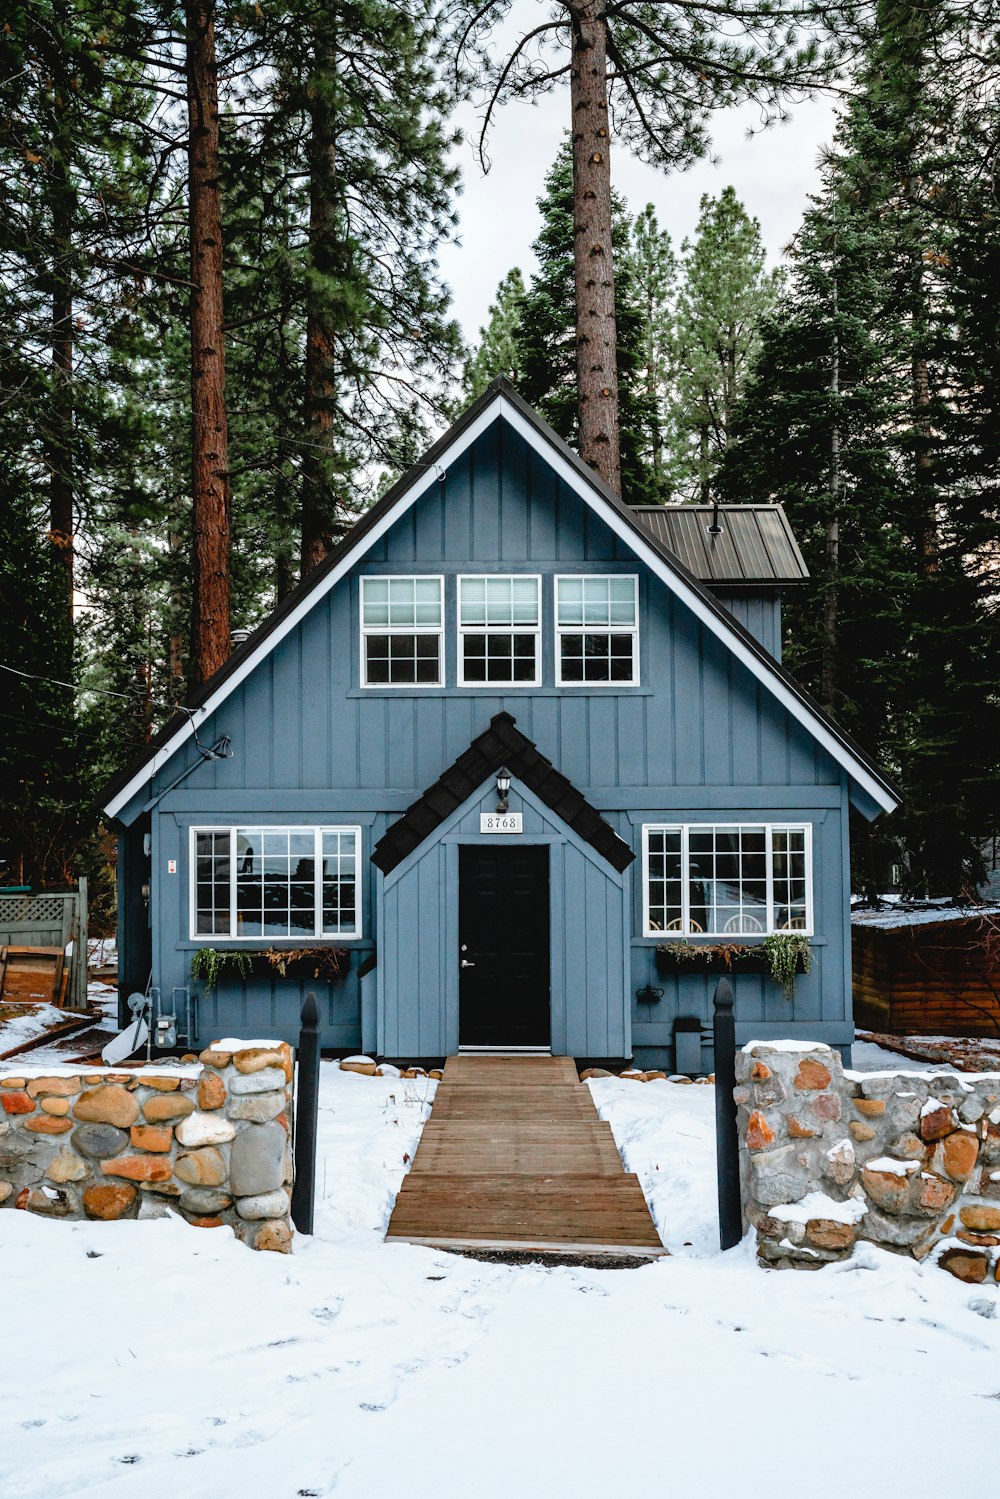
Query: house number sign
pixel 500 822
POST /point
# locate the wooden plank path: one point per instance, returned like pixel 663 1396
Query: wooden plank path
pixel 515 1157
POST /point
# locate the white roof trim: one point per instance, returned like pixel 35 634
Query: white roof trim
pixel 501 407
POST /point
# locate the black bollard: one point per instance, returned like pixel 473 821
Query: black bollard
pixel 726 1141
pixel 306 1118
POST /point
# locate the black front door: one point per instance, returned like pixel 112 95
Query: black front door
pixel 503 926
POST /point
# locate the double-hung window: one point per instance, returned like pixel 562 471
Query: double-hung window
pixel 499 624
pixel 402 632
pixel 727 879
pixel 597 630
pixel 275 882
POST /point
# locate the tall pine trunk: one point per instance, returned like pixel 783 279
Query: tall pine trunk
pixel 60 443
pixel 831 593
pixel 209 427
pixel 596 330
pixel 319 501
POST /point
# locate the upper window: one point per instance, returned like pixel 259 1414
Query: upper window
pixel 402 625
pixel 597 630
pixel 732 880
pixel 275 882
pixel 499 622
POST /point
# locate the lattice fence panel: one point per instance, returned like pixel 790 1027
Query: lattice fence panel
pixel 38 910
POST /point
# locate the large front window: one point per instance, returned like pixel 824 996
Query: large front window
pixel 498 631
pixel 275 882
pixel 727 880
pixel 597 630
pixel 402 625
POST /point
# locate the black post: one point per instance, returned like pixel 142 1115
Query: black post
pixel 727 1144
pixel 306 1116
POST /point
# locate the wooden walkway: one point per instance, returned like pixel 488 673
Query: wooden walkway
pixel 515 1157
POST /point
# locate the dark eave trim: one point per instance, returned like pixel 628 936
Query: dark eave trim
pixel 501 744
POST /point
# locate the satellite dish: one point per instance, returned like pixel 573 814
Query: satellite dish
pixel 133 1036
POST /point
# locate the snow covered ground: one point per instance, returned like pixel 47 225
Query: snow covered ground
pixel 157 1360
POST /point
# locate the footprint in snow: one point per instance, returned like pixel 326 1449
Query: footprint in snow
pixel 38 1421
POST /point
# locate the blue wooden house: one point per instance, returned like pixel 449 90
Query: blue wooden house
pixel 512 740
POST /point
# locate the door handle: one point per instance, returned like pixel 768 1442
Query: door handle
pixel 466 964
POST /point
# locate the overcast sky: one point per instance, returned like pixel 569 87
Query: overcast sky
pixel 773 173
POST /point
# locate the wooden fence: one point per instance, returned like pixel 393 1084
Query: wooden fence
pixel 51 919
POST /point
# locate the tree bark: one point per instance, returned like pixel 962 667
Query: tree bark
pixel 831 595
pixel 596 330
pixel 60 443
pixel 209 427
pixel 319 497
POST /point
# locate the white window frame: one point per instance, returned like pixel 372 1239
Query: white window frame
pixel 366 630
pixel 685 829
pixel 232 828
pixel 463 630
pixel 561 630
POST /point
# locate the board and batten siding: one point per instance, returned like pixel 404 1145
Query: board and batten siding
pixel 417 1006
pixel 699 738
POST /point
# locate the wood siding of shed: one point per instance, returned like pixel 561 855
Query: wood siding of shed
pixel 931 979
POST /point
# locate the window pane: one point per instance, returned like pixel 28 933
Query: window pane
pixel 339 902
pixel 525 601
pixel 472 601
pixel 498 658
pixel 395 659
pixel 211 874
pixel 375 601
pixel 569 601
pixel 664 894
pixel 622 601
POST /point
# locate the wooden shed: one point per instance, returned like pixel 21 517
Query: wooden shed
pixel 927 972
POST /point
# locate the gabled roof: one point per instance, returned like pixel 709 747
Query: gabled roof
pixel 501 744
pixel 753 546
pixel 500 401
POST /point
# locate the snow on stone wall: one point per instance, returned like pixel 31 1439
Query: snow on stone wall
pixel 909 1161
pixel 211 1142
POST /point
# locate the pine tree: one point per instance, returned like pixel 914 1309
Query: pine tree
pixel 887 418
pixel 546 338
pixel 653 73
pixel 725 292
pixel 653 268
pixel 496 353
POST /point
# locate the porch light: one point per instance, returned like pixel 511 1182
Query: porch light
pixel 503 787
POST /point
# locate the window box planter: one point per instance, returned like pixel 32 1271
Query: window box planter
pixel 781 957
pixel 324 964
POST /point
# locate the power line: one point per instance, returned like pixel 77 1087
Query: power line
pixel 54 682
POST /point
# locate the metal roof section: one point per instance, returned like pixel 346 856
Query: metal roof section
pixel 753 548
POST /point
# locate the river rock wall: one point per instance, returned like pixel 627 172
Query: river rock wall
pixel 210 1141
pixel 906 1160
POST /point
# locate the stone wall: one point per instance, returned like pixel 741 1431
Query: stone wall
pixel 906 1160
pixel 210 1141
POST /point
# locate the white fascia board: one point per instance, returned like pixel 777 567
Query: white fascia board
pixel 500 407
pixel 465 440
pixel 621 527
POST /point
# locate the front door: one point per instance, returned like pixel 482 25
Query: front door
pixel 503 924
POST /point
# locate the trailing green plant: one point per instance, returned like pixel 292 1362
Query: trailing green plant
pixel 785 954
pixel 207 963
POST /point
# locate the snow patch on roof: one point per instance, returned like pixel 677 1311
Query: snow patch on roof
pixel 921 915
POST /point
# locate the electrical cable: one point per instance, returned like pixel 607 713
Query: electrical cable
pixel 73 686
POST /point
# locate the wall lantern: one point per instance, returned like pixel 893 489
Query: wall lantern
pixel 503 787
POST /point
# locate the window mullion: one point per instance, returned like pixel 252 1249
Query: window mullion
pixel 769 873
pixel 685 884
pixel 317 882
pixel 232 882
